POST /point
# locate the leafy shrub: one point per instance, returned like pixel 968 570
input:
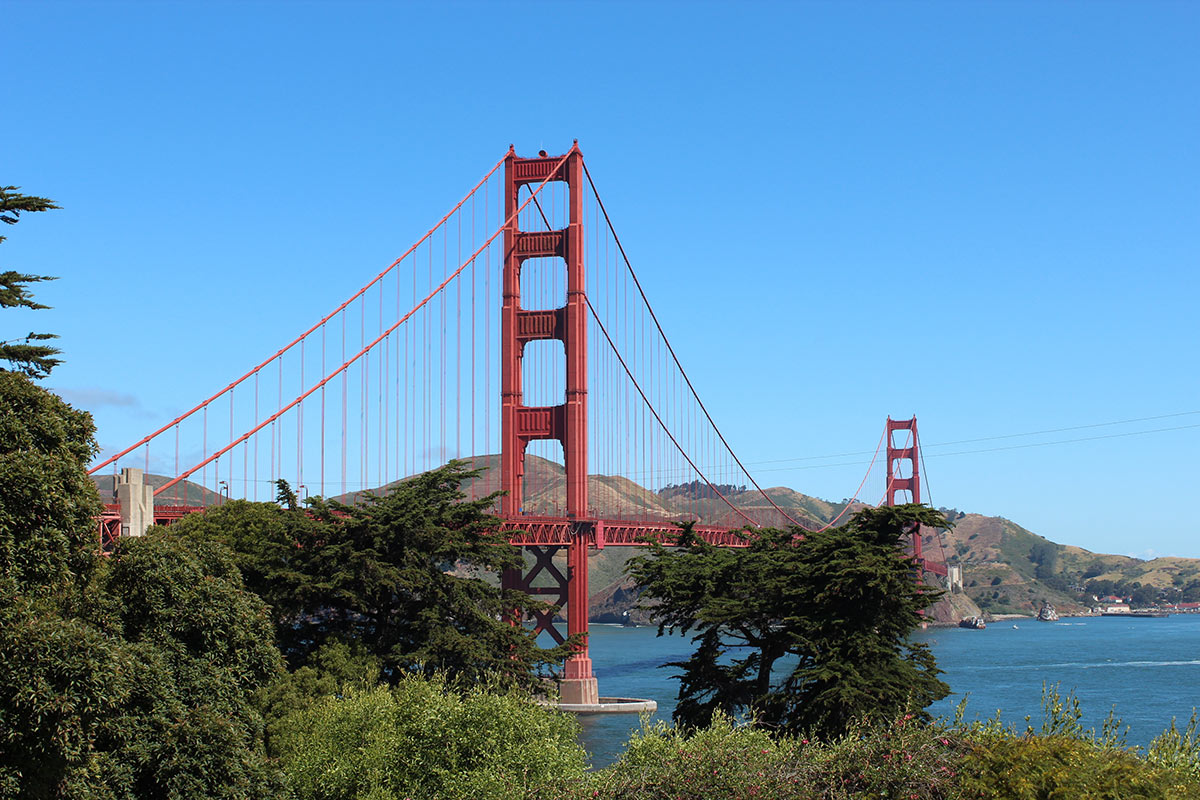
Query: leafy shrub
pixel 1178 751
pixel 421 740
pixel 61 679
pixel 903 760
pixel 1058 760
pixel 150 695
pixel 1059 766
pixel 718 761
pixel 1061 759
pixel 335 667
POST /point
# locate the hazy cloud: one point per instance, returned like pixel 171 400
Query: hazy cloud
pixel 92 397
pixel 1149 554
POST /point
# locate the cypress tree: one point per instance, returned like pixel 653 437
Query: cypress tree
pixel 805 632
pixel 23 353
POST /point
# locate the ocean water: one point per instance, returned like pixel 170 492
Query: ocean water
pixel 1147 669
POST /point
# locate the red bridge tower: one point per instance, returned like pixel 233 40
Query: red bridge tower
pixel 521 424
pixel 912 484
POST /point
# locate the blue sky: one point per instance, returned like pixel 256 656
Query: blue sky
pixel 985 214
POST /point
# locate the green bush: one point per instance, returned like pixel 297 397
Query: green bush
pixel 421 740
pixel 1178 750
pixel 1061 759
pixel 1053 767
pixel 903 760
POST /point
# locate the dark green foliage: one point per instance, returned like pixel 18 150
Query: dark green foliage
pixel 186 600
pixel 1059 584
pixel 48 505
pixel 1044 555
pixel 61 682
pixel 34 360
pixel 13 203
pixel 420 739
pixel 150 694
pixel 835 609
pixel 1138 594
pixel 132 677
pixel 335 668
pixel 1102 588
pixel 202 649
pixel 393 574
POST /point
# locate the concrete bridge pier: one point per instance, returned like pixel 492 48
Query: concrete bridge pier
pixel 136 500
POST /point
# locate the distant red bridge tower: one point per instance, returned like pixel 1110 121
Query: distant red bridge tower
pixel 904 460
pixel 896 456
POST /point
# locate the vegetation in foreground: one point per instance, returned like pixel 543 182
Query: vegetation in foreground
pixel 421 741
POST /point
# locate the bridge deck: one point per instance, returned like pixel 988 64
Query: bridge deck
pixel 529 530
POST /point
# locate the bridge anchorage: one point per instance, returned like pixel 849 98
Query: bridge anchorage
pixel 406 374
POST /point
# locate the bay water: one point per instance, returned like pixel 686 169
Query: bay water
pixel 1147 669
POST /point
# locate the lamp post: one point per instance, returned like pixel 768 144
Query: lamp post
pixel 222 491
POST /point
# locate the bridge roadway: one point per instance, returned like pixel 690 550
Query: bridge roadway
pixel 539 531
pixel 110 520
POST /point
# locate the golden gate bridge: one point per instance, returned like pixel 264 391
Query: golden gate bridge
pixel 514 335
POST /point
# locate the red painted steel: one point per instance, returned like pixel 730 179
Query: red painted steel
pixel 910 484
pixel 110 521
pixel 910 453
pixel 531 531
pixel 567 423
pixel 896 454
pixel 543 564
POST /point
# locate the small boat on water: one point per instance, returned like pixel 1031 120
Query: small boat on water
pixel 1047 613
pixel 974 623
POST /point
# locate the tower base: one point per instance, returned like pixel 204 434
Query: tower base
pixel 579 691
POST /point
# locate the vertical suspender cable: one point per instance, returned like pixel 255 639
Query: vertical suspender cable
pixel 322 412
pixel 299 426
